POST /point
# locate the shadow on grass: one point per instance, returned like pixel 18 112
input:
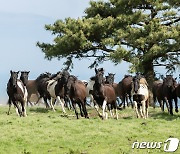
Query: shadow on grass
pixel 164 115
pixel 39 110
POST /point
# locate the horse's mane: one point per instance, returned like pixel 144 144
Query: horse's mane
pixel 74 77
pixel 126 76
pixel 55 76
pixel 92 78
pixel 143 81
pixel 43 75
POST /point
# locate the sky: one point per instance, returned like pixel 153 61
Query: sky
pixel 22 25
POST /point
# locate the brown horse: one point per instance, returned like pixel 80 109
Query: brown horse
pixel 123 90
pixel 104 94
pixel 157 90
pixel 76 91
pixel 32 91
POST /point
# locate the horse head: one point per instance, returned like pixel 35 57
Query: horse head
pixel 24 77
pixel 99 70
pixel 13 78
pixel 135 84
pixel 110 78
pixel 99 79
pixel 170 82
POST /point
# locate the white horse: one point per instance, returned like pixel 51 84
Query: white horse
pixel 140 96
pixel 89 88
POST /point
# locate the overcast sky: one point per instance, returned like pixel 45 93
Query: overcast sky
pixel 22 25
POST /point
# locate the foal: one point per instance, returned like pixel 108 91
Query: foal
pixel 17 92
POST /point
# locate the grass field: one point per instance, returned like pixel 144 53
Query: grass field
pixel 44 131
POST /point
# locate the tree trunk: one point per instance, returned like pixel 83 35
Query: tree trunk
pixel 149 75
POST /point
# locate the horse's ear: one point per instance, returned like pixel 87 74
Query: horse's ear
pixel 18 72
pixel 28 72
pixel 175 78
pixel 11 71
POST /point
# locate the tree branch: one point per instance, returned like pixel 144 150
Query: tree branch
pixel 169 23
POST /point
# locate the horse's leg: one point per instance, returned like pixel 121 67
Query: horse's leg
pixel 84 108
pixel 167 104
pixel 136 109
pixel 61 102
pixel 97 109
pixel 144 109
pixel 104 108
pixel 170 107
pixel 51 104
pixel 124 102
pixel 18 111
pixel 38 100
pixel 74 106
pixel 115 109
pixel 91 100
pixel 28 100
pixel 140 110
pixel 80 107
pixel 147 105
pixel 23 108
pixel 176 104
pixel 9 102
pixel 109 106
pixel 130 98
pixel 126 99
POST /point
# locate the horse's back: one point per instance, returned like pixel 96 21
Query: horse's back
pixel 126 84
pixel 109 92
pixel 31 86
pixel 80 89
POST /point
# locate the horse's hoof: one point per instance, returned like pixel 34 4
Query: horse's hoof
pixel 176 110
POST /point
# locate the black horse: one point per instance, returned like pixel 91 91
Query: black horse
pixel 17 93
pixel 169 92
pixel 41 83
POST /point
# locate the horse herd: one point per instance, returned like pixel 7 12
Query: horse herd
pixel 68 91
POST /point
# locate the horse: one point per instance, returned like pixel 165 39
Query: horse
pixel 140 96
pixel 17 93
pixel 169 92
pixel 32 91
pixel 157 90
pixel 56 90
pixel 89 84
pixel 42 82
pixel 104 94
pixel 109 78
pixel 89 88
pixel 24 79
pixel 123 90
pixel 76 91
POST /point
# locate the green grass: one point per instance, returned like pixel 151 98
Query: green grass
pixel 44 131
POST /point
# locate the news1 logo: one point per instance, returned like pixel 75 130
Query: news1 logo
pixel 170 145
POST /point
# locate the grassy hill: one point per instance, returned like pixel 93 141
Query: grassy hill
pixel 45 131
